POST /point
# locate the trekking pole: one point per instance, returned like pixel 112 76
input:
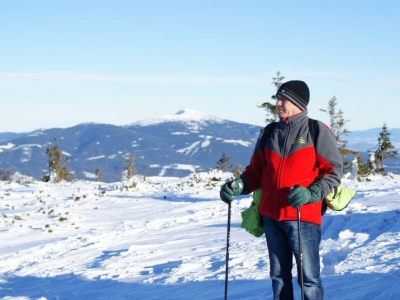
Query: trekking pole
pixel 227 250
pixel 300 255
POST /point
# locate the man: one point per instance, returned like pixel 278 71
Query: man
pixel 294 170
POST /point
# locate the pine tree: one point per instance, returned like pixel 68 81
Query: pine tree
pixel 237 170
pixel 272 113
pixel 130 169
pixel 338 127
pixel 57 171
pixel 6 175
pixel 223 163
pixel 363 169
pixel 97 172
pixel 384 148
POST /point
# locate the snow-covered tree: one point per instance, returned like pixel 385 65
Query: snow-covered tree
pixel 130 169
pixel 354 169
pixel 372 162
pixel 57 170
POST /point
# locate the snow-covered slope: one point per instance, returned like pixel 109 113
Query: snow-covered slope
pixel 166 239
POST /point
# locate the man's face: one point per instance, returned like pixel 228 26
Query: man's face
pixel 286 108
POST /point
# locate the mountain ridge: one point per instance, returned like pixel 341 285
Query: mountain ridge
pixel 170 145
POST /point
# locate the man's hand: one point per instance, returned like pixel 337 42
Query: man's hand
pixel 299 195
pixel 230 189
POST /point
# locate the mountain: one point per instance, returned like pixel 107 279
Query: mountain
pixel 173 145
pixel 8 136
pixel 365 140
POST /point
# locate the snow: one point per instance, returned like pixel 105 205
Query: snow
pixel 6 147
pixel 192 149
pixel 25 146
pixel 195 147
pixel 189 116
pixel 191 168
pixel 239 142
pixel 165 238
pixel 36 134
pixel 205 143
pixel 90 175
pixel 96 157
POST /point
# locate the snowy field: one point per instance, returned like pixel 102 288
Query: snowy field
pixel 166 239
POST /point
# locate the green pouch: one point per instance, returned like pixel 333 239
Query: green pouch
pixel 339 198
pixel 251 219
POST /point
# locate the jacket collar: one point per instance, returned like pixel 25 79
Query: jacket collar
pixel 295 119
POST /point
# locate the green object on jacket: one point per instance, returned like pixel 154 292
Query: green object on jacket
pixel 251 218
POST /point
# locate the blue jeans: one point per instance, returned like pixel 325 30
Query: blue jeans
pixel 282 241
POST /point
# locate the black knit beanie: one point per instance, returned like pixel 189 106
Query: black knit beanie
pixel 297 92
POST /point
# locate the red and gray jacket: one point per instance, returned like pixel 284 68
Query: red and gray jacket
pixel 291 158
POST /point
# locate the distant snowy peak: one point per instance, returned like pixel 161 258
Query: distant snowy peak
pixel 193 114
pixel 183 116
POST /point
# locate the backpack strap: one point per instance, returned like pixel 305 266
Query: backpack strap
pixel 266 134
pixel 314 130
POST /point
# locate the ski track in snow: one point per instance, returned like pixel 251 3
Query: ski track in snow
pixel 166 239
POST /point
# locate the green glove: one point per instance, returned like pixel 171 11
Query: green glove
pixel 230 189
pixel 299 195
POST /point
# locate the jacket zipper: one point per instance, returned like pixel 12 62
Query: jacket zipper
pixel 280 171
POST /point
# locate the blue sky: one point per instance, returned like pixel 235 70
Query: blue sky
pixel 67 62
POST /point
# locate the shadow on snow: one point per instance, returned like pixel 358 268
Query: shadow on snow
pixel 350 286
